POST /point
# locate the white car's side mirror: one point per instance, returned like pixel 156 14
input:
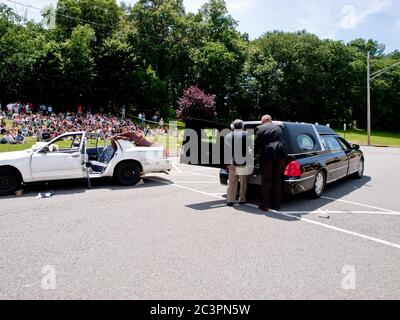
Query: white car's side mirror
pixel 45 150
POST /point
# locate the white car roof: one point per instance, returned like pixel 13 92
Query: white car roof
pixel 72 133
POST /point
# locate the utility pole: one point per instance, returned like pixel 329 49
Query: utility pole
pixel 369 78
pixel 369 97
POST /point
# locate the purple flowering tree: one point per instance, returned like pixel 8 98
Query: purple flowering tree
pixel 195 103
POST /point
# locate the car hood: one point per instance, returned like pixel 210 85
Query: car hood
pixel 16 155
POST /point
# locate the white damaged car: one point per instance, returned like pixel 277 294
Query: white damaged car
pixel 80 155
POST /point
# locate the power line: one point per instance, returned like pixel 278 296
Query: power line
pixel 56 13
pixel 378 73
pixel 75 18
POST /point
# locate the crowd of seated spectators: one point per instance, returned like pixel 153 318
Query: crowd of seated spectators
pixel 45 126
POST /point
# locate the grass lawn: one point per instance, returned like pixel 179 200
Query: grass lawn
pixel 379 138
pixel 173 145
pixel 17 147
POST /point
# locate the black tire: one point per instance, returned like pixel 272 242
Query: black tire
pixel 360 173
pixel 8 181
pixel 319 185
pixel 128 174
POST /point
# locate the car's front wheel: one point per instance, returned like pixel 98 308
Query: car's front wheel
pixel 8 181
pixel 360 172
pixel 128 174
pixel 319 185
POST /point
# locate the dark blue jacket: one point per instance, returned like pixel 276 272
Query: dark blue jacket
pixel 269 142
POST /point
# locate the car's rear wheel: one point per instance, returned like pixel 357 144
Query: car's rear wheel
pixel 319 185
pixel 128 174
pixel 8 181
pixel 360 172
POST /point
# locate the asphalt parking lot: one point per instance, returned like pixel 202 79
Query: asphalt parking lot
pixel 173 238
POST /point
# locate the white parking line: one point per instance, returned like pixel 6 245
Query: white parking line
pixel 201 169
pixel 191 174
pixel 344 212
pixel 356 234
pixel 201 174
pixel 176 167
pixel 197 182
pixel 390 212
pixel 292 216
pixel 357 204
pixel 184 188
pixel 324 197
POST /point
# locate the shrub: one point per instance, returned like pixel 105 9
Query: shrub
pixel 195 103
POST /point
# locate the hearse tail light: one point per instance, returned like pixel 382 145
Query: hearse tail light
pixel 293 169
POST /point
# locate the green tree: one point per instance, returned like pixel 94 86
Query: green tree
pixel 68 15
pixel 79 65
pixel 160 37
pixel 385 97
pixel 102 15
pixel 363 46
pixel 298 77
pixel 144 56
pixel 219 56
pixel 46 82
pixel 20 46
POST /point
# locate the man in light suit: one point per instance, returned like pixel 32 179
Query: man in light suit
pixel 239 145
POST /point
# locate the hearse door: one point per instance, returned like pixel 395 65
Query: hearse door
pixel 354 158
pixel 338 164
pixel 204 143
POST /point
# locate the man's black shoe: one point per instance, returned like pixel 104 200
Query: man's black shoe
pixel 263 209
pixel 230 204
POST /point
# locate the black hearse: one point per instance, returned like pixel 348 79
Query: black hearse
pixel 317 155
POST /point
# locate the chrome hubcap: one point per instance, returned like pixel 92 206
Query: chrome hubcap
pixel 319 183
pixel 360 168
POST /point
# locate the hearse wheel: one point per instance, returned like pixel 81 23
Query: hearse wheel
pixel 319 185
pixel 360 172
pixel 8 181
pixel 128 174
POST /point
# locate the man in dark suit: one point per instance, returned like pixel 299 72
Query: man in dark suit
pixel 271 150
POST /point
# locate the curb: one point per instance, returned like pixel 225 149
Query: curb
pixel 379 146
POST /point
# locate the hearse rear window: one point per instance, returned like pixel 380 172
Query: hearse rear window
pixel 306 142
pixel 301 138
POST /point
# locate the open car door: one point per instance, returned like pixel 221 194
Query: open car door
pixel 203 143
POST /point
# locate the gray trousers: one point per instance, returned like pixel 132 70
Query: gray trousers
pixel 233 186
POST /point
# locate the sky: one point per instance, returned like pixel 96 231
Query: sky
pixel 334 19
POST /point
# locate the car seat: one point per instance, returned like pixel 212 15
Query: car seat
pixel 104 159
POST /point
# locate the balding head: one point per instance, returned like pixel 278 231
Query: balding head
pixel 266 119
